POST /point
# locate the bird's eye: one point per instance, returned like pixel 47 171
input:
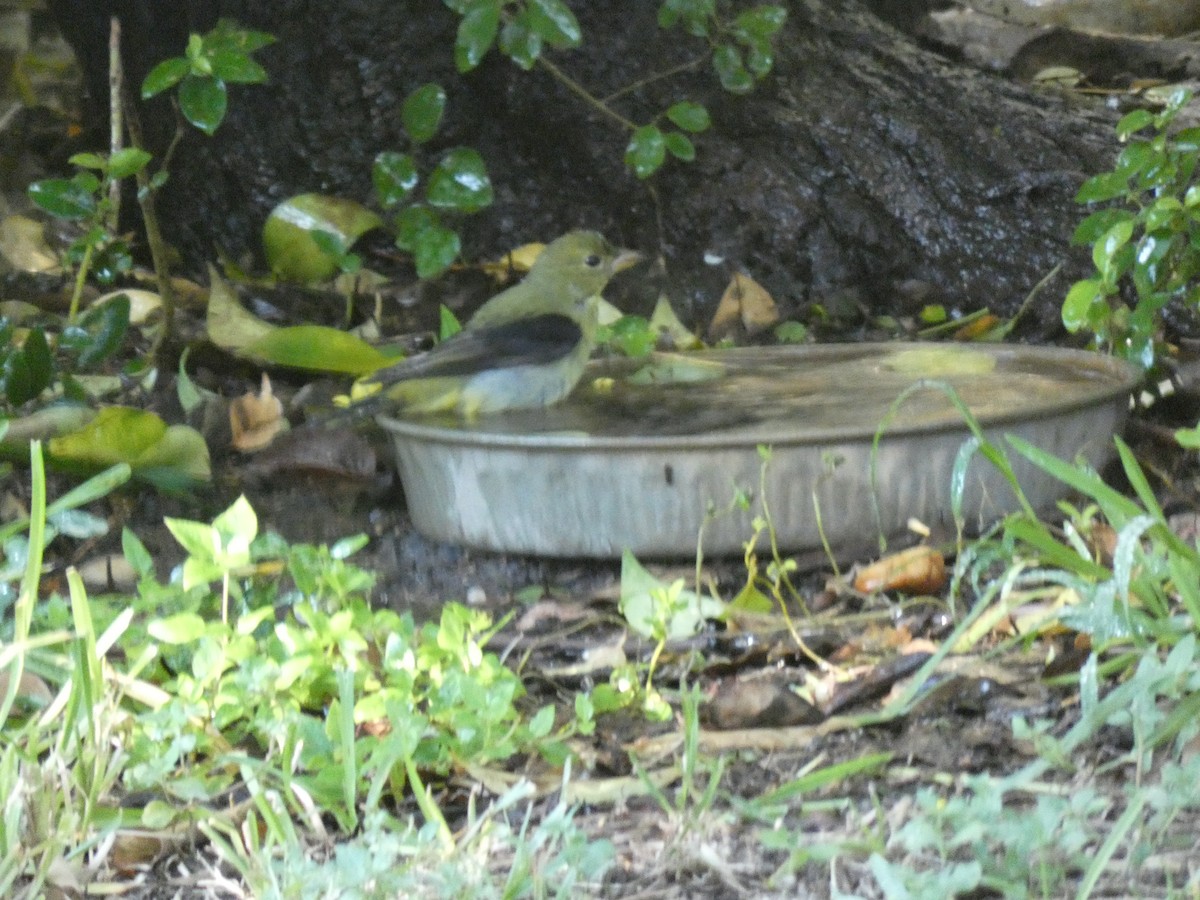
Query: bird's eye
pixel 592 261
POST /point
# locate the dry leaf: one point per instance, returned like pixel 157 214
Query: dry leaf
pixel 142 303
pixel 517 261
pixel 917 570
pixel 255 419
pixel 745 302
pixel 23 245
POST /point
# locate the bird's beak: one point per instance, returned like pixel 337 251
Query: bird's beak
pixel 625 259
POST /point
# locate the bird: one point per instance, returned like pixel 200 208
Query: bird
pixel 524 348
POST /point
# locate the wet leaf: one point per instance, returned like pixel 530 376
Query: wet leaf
pixel 288 242
pixel 476 33
pixel 422 112
pixel 646 151
pixel 554 22
pixel 460 182
pixel 203 101
pixel 164 76
pixel 235 67
pixel 395 178
pixel 433 246
pixel 64 198
pixel 98 333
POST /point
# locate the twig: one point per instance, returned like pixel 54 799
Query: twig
pixel 116 131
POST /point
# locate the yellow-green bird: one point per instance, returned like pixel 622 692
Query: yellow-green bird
pixel 526 347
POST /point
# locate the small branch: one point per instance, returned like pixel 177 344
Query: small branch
pixel 585 95
pixel 650 79
pixel 154 238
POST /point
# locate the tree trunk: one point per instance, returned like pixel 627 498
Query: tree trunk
pixel 866 168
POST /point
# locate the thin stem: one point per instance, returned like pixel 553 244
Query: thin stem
pixel 584 94
pixel 154 238
pixel 650 79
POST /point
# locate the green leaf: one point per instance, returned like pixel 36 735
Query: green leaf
pixel 1102 187
pixel 555 23
pixel 203 101
pixel 476 34
pixel 395 177
pixel 181 628
pixel 165 75
pixel 646 151
pixel 433 246
pixel 448 324
pixel 460 182
pixel 679 146
pixel 520 42
pixel 1133 122
pixel 422 112
pixel 126 162
pixel 98 333
pixel 39 361
pixel 1095 225
pixel 317 348
pixel 1078 303
pixel 235 67
pixel 292 251
pixel 63 198
pixel 689 116
pixel 731 71
pixel 1113 240
pixel 116 434
pixel 760 23
pixel 89 161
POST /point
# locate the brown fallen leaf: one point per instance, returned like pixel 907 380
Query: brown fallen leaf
pixel 746 303
pixel 917 570
pixel 255 419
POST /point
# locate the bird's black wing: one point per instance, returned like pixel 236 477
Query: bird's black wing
pixel 537 340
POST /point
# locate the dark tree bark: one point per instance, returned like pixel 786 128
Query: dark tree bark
pixel 865 167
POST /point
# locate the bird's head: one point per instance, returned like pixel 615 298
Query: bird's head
pixel 581 261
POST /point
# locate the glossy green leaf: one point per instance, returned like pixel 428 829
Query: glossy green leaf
pixel 476 34
pixel 395 177
pixel 235 67
pixel 1078 303
pixel 1113 240
pixel 689 116
pixel 1098 223
pixel 288 243
pixel 128 161
pixel 89 161
pixel 165 75
pixel 519 41
pixel 39 361
pixel 317 348
pixel 646 151
pixel 63 197
pixel 1133 122
pixel 1102 187
pixel 422 112
pixel 555 23
pixel 448 324
pixel 679 146
pixel 460 182
pixel 731 71
pixel 203 101
pixel 98 334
